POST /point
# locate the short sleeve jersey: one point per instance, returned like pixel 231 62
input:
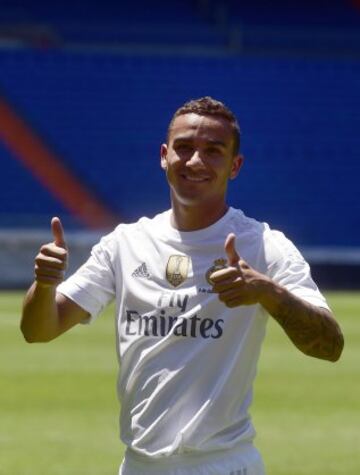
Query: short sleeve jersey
pixel 187 361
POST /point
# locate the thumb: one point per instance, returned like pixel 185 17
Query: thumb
pixel 231 253
pixel 58 232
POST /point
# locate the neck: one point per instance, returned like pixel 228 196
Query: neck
pixel 193 218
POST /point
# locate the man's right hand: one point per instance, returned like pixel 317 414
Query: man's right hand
pixel 51 262
pixel 47 313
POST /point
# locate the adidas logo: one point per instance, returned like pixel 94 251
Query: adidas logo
pixel 141 271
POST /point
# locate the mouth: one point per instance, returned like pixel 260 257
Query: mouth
pixel 195 179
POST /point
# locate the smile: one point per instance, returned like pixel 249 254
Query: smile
pixel 195 179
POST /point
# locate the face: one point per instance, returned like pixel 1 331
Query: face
pixel 199 159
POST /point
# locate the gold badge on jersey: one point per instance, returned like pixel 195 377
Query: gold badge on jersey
pixel 218 264
pixel 177 269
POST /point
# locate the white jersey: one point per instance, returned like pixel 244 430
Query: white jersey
pixel 187 361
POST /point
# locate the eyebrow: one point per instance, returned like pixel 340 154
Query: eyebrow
pixel 184 138
pixel 217 142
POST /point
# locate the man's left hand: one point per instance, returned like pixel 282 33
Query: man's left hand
pixel 238 283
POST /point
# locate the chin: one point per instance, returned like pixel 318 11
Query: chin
pixel 188 199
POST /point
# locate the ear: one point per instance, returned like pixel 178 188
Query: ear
pixel 163 156
pixel 238 161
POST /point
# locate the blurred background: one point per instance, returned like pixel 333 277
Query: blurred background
pixel 87 90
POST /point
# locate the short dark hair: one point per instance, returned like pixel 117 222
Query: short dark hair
pixel 209 106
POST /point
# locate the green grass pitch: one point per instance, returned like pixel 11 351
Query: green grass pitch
pixel 59 412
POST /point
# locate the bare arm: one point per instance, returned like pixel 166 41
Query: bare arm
pixel 46 314
pixel 312 329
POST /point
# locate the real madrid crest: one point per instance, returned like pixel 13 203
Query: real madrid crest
pixel 177 269
pixel 218 264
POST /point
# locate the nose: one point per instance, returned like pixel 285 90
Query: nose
pixel 195 161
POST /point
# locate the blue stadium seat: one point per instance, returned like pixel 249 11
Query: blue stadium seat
pixel 106 115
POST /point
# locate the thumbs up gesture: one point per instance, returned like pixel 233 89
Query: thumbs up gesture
pixel 51 262
pixel 238 283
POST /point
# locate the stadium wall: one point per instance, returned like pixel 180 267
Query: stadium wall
pixel 338 269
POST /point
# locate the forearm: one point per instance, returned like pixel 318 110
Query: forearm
pixel 312 329
pixel 40 320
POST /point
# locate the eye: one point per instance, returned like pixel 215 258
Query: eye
pixel 183 148
pixel 213 151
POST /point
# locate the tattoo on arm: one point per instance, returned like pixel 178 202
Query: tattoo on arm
pixel 312 329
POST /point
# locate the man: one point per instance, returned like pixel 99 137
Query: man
pixel 193 287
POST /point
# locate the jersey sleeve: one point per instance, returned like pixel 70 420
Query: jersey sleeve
pixel 92 286
pixel 288 268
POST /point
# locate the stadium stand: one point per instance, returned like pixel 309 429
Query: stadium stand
pixel 297 13
pixel 311 28
pixel 103 110
pixel 197 26
pixel 108 113
pixel 123 25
